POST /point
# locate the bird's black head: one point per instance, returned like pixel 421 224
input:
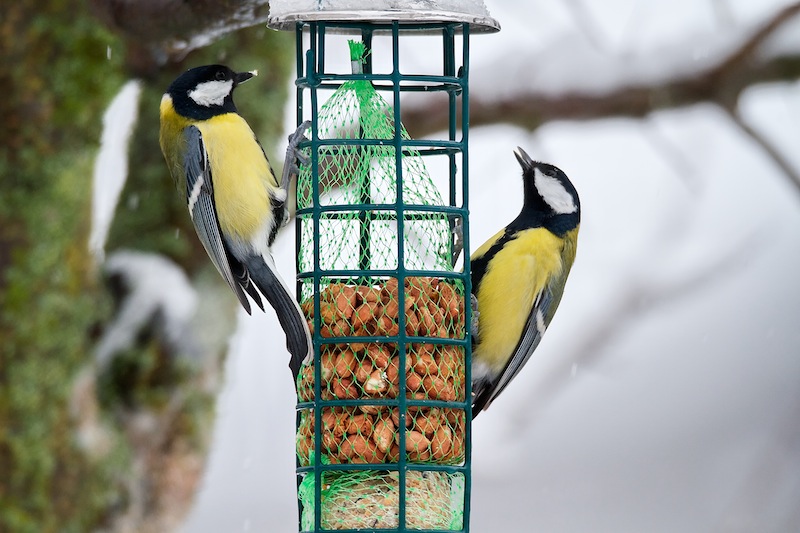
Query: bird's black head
pixel 203 92
pixel 549 195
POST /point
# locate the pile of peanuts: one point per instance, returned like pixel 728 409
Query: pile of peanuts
pixel 371 370
pixel 351 436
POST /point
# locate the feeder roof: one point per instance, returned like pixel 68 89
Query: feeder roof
pixel 284 14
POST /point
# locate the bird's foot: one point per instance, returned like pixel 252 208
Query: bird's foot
pixel 294 155
pixel 475 316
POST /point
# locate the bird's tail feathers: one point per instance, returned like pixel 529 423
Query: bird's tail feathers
pixel 483 393
pixel 243 281
pixel 298 336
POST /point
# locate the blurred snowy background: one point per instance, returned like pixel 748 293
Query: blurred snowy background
pixel 666 394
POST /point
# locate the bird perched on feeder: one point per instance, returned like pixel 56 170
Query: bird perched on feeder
pixel 234 199
pixel 518 278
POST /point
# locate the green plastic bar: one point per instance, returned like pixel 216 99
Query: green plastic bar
pixel 402 407
pixel 466 271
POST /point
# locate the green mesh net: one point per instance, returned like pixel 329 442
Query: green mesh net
pixel 370 500
pixel 360 200
pixel 357 175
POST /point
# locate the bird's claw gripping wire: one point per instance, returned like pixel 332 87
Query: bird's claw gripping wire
pixel 475 316
pixel 294 155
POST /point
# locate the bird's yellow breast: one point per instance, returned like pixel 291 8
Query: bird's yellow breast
pixel 241 175
pixel 517 273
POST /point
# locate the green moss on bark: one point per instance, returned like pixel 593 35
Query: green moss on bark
pixel 60 69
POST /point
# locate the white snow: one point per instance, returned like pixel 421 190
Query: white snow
pixel 284 13
pixel 158 290
pixel 111 165
pixel 279 8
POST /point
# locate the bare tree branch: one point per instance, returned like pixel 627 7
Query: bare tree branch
pixel 771 150
pixel 721 82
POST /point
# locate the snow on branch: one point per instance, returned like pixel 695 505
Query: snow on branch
pixel 572 79
pixel 160 31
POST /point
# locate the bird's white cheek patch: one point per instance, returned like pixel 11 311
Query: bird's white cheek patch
pixel 211 93
pixel 554 193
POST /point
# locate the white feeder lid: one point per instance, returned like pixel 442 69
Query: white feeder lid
pixel 284 14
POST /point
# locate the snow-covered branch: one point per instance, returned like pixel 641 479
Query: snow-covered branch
pixel 159 31
pixel 573 80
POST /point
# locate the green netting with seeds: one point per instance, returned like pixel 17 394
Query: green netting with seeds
pixel 358 230
pixel 370 500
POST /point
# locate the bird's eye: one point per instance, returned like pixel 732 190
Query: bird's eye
pixel 550 172
pixel 220 75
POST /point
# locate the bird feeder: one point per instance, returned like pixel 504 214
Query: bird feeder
pixel 384 417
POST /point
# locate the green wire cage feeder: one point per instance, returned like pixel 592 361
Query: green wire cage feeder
pixel 384 421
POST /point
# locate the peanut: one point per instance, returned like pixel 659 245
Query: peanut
pixel 396 418
pixel 391 309
pixel 345 364
pixel 369 294
pixel 442 442
pixel 366 313
pixel 354 446
pixel 379 353
pixel 438 389
pixel 344 389
pixel 427 324
pixel 424 363
pixel 413 381
pixel 360 423
pixel 383 434
pixel 375 385
pixel 346 301
pixel 412 322
pixel 428 423
pixel 363 371
pixel 418 446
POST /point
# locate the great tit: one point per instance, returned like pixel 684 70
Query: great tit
pixel 518 278
pixel 233 196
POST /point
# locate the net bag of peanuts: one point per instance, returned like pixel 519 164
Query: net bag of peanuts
pixel 377 388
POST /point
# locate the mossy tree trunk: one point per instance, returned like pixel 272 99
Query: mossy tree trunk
pixel 60 68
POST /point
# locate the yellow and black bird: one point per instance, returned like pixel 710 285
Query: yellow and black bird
pixel 234 199
pixel 518 278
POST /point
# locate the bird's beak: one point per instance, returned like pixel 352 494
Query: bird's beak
pixel 524 159
pixel 242 77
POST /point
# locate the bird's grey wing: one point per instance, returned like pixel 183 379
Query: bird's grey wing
pixel 531 336
pixel 544 307
pixel 485 391
pixel 200 202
